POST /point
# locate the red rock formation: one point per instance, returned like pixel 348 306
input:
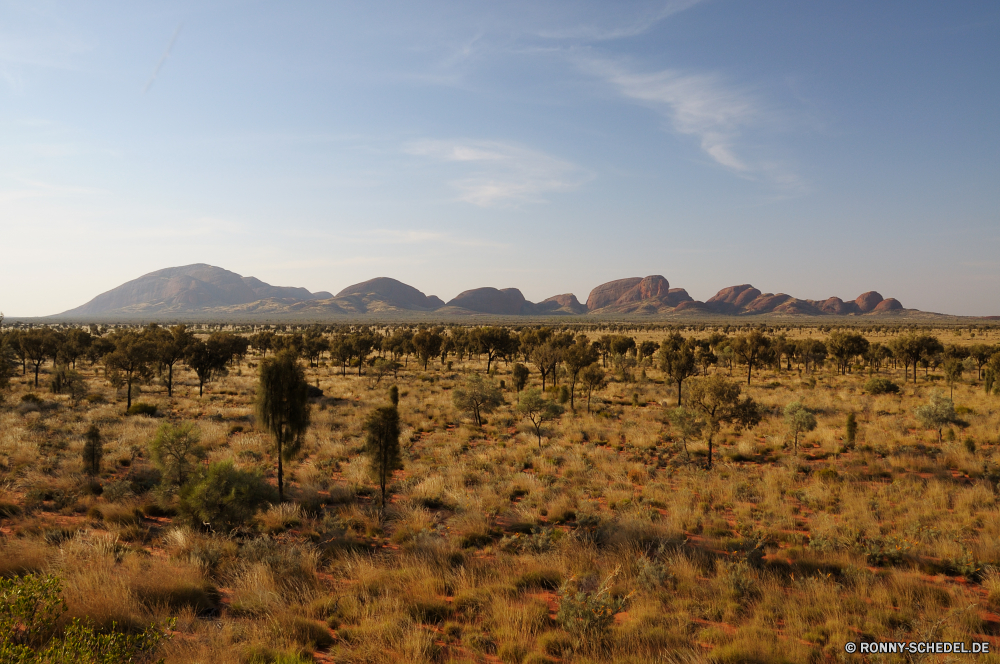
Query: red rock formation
pixel 764 303
pixel 676 297
pixel 834 305
pixel 868 301
pixel 607 294
pixel 393 292
pixel 566 302
pixel 797 306
pixel 506 302
pixel 890 304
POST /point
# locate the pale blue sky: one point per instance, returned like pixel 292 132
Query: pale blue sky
pixel 814 148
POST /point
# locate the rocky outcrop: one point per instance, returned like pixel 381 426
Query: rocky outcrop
pixel 565 303
pixel 499 302
pixel 264 290
pixel 607 294
pixel 747 300
pixel 836 306
pixel 184 288
pixel 650 294
pixel 391 293
pixel 208 290
pixel 890 304
pixel 868 301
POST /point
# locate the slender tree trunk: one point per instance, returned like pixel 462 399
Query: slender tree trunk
pixel 170 381
pixel 679 383
pixel 128 398
pixel 710 436
pixel 281 479
pixel 572 392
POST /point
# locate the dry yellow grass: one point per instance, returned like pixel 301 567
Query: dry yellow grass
pixel 767 557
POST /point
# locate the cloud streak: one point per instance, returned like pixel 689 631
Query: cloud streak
pixel 699 105
pixel 497 173
pixel 166 54
pixel 640 24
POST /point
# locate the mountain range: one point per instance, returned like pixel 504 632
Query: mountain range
pixel 207 290
pixel 202 289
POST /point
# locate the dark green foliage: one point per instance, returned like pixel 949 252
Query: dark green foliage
pixel 851 431
pixel 479 396
pixel 878 385
pixel 394 395
pixel 282 406
pixel 93 450
pixel 225 497
pixel 174 450
pixel 520 377
pixel 546 579
pixel 30 607
pixel 141 408
pixel 382 445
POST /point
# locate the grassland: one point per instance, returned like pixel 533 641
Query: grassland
pixel 606 543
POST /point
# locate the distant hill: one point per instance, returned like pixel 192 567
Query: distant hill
pixel 205 290
pixel 187 288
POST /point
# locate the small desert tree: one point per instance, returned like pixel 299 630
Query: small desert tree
pixel 427 344
pixel 687 423
pixel 36 347
pixel 494 341
pixel 170 347
pixel 850 431
pixel 799 420
pixel 953 369
pixel 93 450
pixel 131 360
pixel 719 401
pixel 677 360
pixel 480 395
pixel 262 342
pixel 938 413
pixel 382 446
pixel 578 357
pixel 282 406
pixel 752 349
pixel 520 378
pixel 538 410
pixel 175 449
pixel 592 378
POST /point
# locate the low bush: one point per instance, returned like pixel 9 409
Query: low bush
pixel 225 497
pixel 142 408
pixel 878 385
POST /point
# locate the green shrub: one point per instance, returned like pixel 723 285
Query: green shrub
pixel 141 408
pixel 589 614
pixel 225 497
pixel 878 385
pixel 548 579
pixel 30 607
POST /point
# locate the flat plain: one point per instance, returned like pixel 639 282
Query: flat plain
pixel 604 536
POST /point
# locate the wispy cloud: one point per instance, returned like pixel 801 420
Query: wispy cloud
pixel 497 173
pixel 163 59
pixel 27 189
pixel 632 25
pixel 700 105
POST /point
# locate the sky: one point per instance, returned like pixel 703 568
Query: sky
pixel 813 148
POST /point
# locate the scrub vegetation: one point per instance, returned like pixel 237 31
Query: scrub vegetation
pixel 719 492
